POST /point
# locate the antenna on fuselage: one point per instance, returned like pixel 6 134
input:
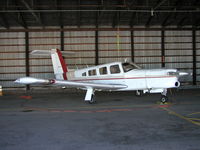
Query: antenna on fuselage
pixel 76 66
pixel 125 60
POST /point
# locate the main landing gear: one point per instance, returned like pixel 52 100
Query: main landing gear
pixel 89 97
pixel 92 100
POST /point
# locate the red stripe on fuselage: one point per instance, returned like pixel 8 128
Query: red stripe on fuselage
pixel 64 67
pixel 125 78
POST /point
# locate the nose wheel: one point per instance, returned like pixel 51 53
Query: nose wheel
pixel 164 99
pixel 138 93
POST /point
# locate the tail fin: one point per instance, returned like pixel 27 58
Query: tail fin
pixel 59 66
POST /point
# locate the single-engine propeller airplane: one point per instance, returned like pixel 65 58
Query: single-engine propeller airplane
pixel 116 76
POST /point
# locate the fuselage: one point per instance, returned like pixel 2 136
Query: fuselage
pixel 130 75
pixel 116 76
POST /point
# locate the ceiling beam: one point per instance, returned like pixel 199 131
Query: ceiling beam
pixel 156 6
pixel 164 22
pixel 148 23
pixel 132 20
pixel 60 14
pixel 187 16
pixel 78 18
pixel 96 19
pixel 20 18
pixel 100 13
pixel 4 21
pixel 116 19
pixel 180 23
pixel 31 11
pixel 197 23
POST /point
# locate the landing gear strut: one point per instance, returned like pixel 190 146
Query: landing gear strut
pixel 138 93
pixel 89 97
pixel 164 97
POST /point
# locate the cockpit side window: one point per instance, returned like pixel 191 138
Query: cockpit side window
pixel 127 67
pixel 92 72
pixel 84 74
pixel 114 69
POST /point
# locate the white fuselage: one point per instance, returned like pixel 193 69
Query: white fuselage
pixel 135 79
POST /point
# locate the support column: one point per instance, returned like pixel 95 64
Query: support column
pixel 62 39
pixel 163 47
pixel 27 57
pixel 132 46
pixel 194 55
pixel 96 47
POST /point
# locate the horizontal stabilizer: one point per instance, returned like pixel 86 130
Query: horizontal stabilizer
pixel 49 52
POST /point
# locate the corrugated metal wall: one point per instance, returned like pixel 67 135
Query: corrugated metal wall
pixel 178 51
pixel 41 66
pixel 147 47
pixel 198 55
pixel 83 44
pixel 112 46
pixel 12 58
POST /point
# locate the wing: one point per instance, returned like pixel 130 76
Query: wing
pixel 89 85
pixel 31 80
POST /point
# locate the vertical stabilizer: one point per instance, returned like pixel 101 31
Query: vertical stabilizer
pixel 59 66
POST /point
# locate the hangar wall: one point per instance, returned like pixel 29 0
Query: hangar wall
pixel 148 48
pixel 198 55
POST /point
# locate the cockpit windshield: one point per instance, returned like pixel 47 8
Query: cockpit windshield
pixel 129 66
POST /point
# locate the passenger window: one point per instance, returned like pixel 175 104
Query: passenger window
pixel 114 69
pixel 92 72
pixel 84 74
pixel 103 70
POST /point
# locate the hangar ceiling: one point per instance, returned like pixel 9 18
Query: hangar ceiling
pixel 41 13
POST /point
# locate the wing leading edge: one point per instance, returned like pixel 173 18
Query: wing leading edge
pixel 87 85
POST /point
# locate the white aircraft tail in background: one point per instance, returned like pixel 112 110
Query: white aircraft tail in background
pixel 116 76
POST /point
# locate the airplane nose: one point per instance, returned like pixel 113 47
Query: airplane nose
pixel 17 81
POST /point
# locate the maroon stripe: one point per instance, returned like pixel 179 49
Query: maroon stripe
pixel 126 78
pixel 64 66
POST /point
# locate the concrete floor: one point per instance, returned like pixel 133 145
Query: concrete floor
pixel 120 120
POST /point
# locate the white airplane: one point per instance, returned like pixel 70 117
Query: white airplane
pixel 116 76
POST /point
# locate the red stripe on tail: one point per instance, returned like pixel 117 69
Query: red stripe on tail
pixel 64 67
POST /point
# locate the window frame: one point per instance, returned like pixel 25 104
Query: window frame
pixel 92 72
pixel 106 69
pixel 115 68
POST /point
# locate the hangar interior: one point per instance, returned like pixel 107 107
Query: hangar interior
pixel 151 33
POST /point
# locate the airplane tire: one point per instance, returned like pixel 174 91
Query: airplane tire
pixel 138 93
pixel 92 101
pixel 164 99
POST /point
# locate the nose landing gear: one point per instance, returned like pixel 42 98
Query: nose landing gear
pixel 138 93
pixel 164 97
